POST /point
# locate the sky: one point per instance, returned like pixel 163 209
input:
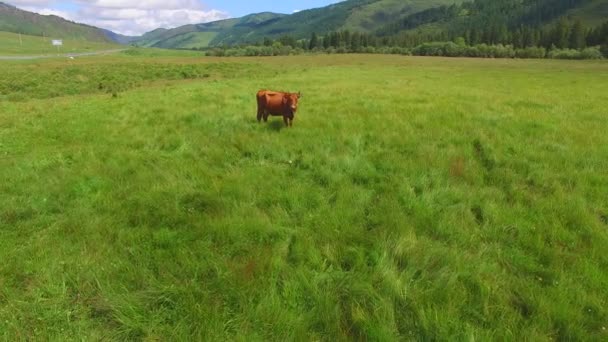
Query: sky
pixel 134 17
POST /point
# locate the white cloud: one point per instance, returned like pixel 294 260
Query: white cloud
pixel 48 11
pixel 130 17
pixel 20 3
pixel 136 21
pixel 148 4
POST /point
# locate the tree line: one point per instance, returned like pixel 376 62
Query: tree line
pixel 563 39
pixel 564 34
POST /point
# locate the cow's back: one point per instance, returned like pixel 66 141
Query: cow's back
pixel 271 101
pixel 274 100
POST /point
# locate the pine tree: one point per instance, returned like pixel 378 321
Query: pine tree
pixel 334 39
pixel 501 34
pixel 517 39
pixel 577 36
pixel 314 41
pixel 355 42
pixel 561 34
pixel 346 36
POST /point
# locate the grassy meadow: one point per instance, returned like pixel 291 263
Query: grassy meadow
pixel 12 45
pixel 414 198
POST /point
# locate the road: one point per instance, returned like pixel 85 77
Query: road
pixel 64 55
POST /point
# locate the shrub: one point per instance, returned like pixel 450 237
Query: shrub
pixel 399 51
pixel 531 52
pixel 591 53
pixel 429 49
pixel 503 51
pixel 369 49
pixel 451 49
pixel 341 49
pixel 564 54
pixel 604 50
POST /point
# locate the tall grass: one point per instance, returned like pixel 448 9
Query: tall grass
pixel 414 198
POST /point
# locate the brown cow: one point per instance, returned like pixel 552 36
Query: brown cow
pixel 277 103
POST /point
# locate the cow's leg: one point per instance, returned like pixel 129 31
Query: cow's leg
pixel 286 120
pixel 260 112
pixel 265 116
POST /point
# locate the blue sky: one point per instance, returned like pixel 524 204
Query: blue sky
pixel 239 8
pixel 134 17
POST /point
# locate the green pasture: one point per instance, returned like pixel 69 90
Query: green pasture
pixel 413 199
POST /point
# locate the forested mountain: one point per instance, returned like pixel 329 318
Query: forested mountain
pixel 403 23
pixel 517 22
pixel 356 15
pixel 353 24
pixel 213 33
pixel 15 20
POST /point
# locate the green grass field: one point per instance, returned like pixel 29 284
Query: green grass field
pixel 414 199
pixel 10 44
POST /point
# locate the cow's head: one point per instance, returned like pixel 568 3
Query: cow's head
pixel 290 100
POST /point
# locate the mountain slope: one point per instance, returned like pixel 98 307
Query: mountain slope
pixel 371 16
pixel 201 35
pixel 499 15
pixel 355 15
pixel 14 44
pixel 593 13
pixel 118 38
pixel 15 20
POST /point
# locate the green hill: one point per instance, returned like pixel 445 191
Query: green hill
pixel 371 16
pixel 498 15
pixel 406 22
pixel 356 15
pixel 436 19
pixel 15 44
pixel 15 20
pixel 213 33
pixel 592 13
pixel 188 40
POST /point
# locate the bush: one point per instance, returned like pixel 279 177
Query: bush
pixel 399 51
pixel 451 49
pixel 369 49
pixel 472 51
pixel 341 49
pixel 503 51
pixel 604 50
pixel 531 52
pixel 447 49
pixel 588 53
pixel 484 50
pixel 591 53
pixel 564 54
pixel 429 49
